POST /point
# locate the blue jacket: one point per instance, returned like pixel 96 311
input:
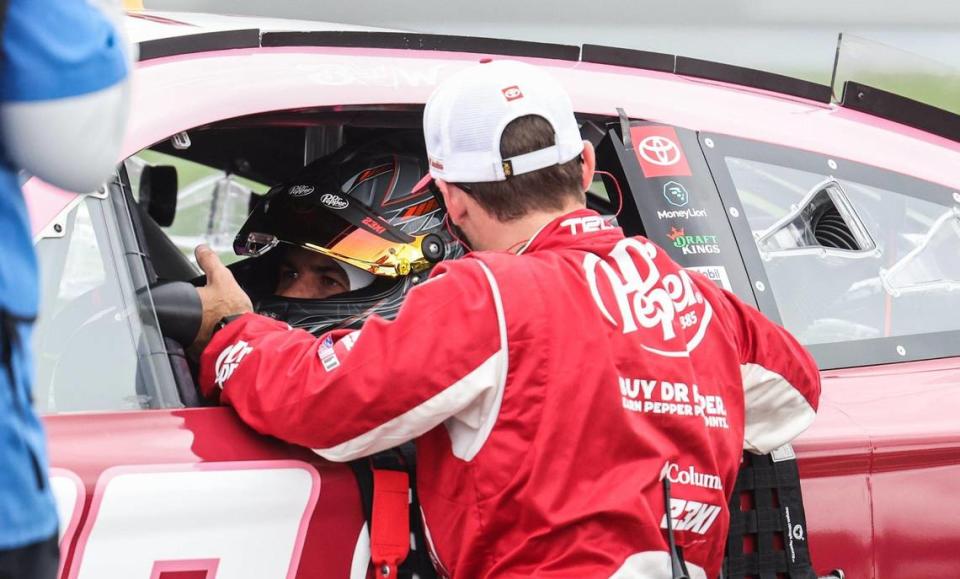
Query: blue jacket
pixel 50 51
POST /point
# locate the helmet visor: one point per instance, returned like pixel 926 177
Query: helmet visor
pixel 332 224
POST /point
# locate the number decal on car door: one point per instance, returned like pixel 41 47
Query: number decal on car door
pixel 233 520
pixel 68 493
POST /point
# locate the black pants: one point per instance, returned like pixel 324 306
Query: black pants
pixel 36 561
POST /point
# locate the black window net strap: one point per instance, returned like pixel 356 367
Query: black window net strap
pixel 769 539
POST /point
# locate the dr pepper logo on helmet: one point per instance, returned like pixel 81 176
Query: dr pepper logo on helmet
pixel 659 152
pixel 300 190
pixel 334 201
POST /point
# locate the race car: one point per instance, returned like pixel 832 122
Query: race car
pixel 837 217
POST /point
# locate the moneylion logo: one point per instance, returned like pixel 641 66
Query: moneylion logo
pixel 675 194
pixel 671 471
pixel 681 213
pixel 334 201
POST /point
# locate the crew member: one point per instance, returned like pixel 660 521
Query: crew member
pixel 579 402
pixel 62 111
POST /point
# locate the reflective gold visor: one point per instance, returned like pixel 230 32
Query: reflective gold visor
pixel 349 233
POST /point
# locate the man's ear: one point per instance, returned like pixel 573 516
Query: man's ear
pixel 588 166
pixel 453 198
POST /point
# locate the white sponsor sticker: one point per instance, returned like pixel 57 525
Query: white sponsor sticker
pixel 783 453
pixel 715 273
pixel 328 357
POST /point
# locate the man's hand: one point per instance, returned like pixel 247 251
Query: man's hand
pixel 222 296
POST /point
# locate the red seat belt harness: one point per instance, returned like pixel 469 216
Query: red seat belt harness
pixel 390 532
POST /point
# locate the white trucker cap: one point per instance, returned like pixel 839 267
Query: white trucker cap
pixel 465 117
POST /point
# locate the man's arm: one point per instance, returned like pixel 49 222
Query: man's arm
pixel 781 381
pixel 350 394
pixel 65 94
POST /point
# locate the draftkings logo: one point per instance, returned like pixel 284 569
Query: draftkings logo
pixel 693 244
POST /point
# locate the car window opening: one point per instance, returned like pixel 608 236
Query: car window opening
pixel 825 218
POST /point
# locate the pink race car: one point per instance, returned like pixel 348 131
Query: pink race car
pixel 841 220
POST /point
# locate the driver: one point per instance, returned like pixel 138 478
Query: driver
pixel 305 274
pixel 343 239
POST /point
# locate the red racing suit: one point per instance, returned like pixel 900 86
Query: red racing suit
pixel 549 394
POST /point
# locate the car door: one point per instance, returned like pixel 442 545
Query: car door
pixel 863 266
pixel 146 487
pixel 671 197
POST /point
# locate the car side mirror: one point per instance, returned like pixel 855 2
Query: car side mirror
pixel 158 193
pixel 179 310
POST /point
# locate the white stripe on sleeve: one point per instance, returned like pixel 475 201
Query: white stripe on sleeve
pixel 470 428
pixel 469 407
pixel 775 411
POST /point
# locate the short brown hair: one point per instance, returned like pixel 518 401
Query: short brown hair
pixel 547 189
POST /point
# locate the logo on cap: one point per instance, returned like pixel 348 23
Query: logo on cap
pixel 436 164
pixel 512 93
pixel 334 201
pixel 300 190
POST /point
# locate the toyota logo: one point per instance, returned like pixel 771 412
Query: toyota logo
pixel 659 151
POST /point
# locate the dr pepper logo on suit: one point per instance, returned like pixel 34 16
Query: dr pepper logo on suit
pixel 658 151
pixel 635 296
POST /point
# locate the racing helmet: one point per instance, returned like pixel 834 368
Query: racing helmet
pixel 358 208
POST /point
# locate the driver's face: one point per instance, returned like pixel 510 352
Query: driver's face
pixel 309 275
